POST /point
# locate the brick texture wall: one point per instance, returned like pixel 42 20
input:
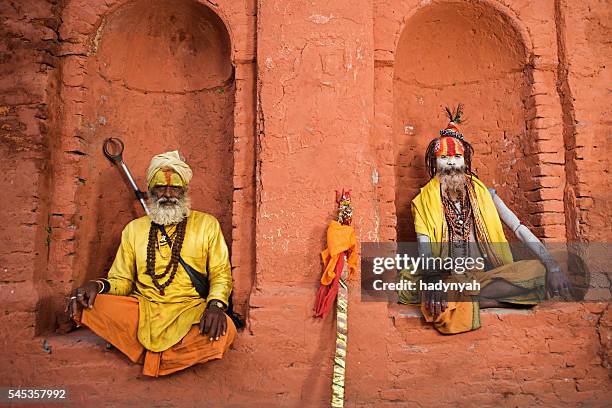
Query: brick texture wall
pixel 322 98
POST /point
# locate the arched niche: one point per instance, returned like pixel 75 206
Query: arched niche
pixel 160 78
pixel 466 52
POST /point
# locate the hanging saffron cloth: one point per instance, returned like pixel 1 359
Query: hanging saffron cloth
pixel 340 240
pixel 340 261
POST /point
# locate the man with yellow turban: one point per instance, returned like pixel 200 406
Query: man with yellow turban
pixel 148 307
pixel 456 215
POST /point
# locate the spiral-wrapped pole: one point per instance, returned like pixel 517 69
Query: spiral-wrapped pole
pixel 341 339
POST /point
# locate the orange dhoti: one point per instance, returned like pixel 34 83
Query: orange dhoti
pixel 464 315
pixel 115 319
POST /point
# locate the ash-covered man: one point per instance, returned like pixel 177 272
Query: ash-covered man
pixel 455 215
pixel 148 307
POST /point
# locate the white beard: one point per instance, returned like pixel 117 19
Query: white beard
pixel 165 214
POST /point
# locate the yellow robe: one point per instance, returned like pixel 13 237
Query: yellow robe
pixel 429 220
pixel 165 320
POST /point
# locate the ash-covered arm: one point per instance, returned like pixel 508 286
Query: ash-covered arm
pixel 424 245
pixel 426 252
pixel 522 232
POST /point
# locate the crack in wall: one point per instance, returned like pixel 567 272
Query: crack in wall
pixel 569 128
pixel 225 84
pixel 502 75
pixel 603 349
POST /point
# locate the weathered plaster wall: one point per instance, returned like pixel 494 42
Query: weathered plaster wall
pixel 28 117
pixel 584 29
pixel 529 139
pixel 584 75
pixel 160 78
pixel 324 74
pixel 158 75
pixel 470 53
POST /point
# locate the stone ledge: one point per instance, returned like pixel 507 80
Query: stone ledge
pixel 412 311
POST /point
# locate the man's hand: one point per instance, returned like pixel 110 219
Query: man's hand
pixel 436 302
pixel 85 296
pixel 556 282
pixel 214 322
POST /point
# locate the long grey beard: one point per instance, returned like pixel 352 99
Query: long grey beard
pixel 169 214
pixel 453 182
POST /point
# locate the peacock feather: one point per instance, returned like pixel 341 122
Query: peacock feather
pixel 454 115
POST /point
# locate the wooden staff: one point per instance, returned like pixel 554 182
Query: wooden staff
pixel 341 339
pixel 345 217
pixel 334 288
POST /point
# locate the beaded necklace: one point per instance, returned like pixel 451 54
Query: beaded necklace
pixel 459 221
pixel 163 241
pixel 174 258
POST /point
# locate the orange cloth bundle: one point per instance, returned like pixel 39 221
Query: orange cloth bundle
pixel 340 240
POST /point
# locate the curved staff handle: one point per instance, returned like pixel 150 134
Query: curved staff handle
pixel 113 150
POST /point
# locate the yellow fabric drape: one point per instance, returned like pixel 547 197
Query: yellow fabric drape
pixel 462 316
pixel 428 215
pixel 340 238
pixel 165 320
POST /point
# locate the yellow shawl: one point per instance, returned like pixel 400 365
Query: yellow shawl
pixel 165 320
pixel 429 220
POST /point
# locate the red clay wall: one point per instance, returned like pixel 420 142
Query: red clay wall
pixel 582 71
pixel 160 78
pixel 28 120
pixel 327 116
pixel 186 86
pixel 451 53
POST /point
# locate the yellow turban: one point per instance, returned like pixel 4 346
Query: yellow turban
pixel 168 161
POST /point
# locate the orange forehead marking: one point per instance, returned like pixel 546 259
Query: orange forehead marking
pixel 449 146
pixel 168 175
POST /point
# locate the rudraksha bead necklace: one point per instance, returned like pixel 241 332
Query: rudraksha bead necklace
pixel 459 221
pixel 174 259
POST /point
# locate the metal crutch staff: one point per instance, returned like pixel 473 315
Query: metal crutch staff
pixel 113 150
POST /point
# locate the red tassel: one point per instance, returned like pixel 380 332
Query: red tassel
pixel 326 295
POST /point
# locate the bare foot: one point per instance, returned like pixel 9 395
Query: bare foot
pixel 486 302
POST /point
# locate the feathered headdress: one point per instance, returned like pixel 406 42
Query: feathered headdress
pixel 450 142
pixel 454 117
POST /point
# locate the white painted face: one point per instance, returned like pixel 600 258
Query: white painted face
pixel 448 162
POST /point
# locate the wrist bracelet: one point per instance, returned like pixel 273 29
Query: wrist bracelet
pixel 100 285
pixel 217 303
pixel 104 285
